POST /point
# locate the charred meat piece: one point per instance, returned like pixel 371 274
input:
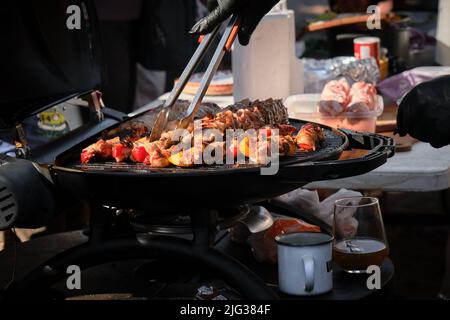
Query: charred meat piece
pixel 310 137
pixel 285 129
pixel 150 153
pixel 121 139
pixel 260 150
pixel 101 150
pixel 139 127
pixel 157 156
pixel 110 149
pixel 246 115
pixel 128 131
pixel 287 145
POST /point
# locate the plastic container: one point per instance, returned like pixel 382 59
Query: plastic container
pixel 304 107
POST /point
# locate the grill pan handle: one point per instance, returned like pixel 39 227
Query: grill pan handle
pixel 380 149
pixel 370 141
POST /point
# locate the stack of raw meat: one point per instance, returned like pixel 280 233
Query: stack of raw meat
pixel 338 97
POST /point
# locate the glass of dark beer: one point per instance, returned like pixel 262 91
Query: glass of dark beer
pixel 359 235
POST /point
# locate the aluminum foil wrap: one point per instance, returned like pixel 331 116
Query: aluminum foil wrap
pixel 318 72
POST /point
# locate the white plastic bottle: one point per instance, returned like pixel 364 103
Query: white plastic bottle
pixel 268 67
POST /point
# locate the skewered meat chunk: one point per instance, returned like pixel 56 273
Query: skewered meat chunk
pixel 245 116
pixel 269 111
pixel 110 149
pixel 259 149
pixel 310 137
pixel 287 146
pixel 157 156
pixel 101 150
pixel 150 153
pixel 116 143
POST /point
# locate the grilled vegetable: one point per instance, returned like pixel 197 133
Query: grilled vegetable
pixel 121 152
pixel 138 154
pixel 183 158
pixel 101 150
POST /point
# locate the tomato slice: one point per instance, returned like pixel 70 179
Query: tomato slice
pixel 267 132
pixel 138 154
pixel 86 156
pixel 233 150
pixel 120 152
pixel 306 147
pixel 117 150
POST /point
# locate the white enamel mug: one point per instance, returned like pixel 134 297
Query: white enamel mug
pixel 305 263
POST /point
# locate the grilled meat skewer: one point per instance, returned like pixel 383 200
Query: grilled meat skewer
pixel 133 142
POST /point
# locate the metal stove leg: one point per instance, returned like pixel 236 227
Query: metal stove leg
pixel 445 288
pixel 100 221
pixel 140 247
pixel 204 227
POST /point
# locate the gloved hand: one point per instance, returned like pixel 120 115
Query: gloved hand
pixel 251 12
pixel 424 112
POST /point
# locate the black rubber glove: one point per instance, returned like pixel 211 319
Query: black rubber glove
pixel 251 12
pixel 424 112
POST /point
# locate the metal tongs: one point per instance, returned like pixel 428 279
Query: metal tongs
pixel 224 46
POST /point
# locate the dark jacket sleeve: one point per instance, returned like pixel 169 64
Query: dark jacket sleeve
pixel 164 41
pixel 118 10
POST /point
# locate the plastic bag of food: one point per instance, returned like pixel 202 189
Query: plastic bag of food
pixel 397 86
pixel 263 244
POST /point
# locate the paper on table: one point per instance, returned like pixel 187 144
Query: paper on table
pixel 308 201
